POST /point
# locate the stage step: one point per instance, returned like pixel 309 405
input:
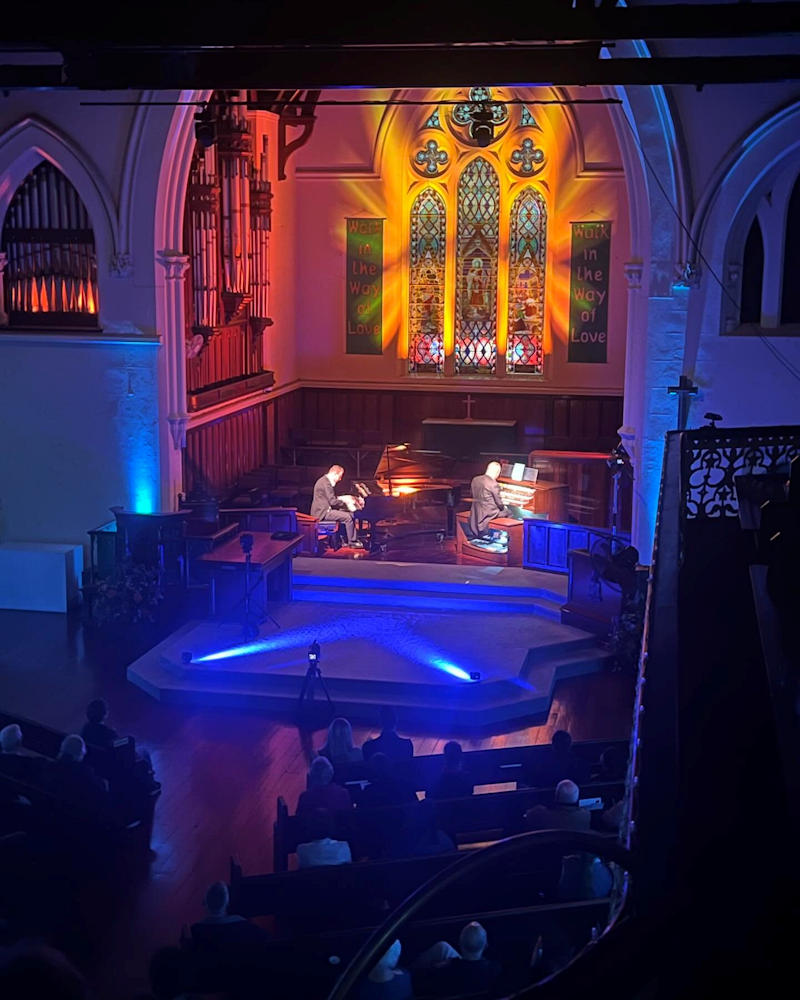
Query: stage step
pixel 450 588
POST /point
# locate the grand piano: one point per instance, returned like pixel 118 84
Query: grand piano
pixel 413 492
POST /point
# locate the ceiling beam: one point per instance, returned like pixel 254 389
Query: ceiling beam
pixel 229 69
pixel 191 22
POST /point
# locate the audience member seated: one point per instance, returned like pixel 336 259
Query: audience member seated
pixel 322 791
pixel 15 761
pixel 556 762
pixel 385 788
pixel 74 780
pixel 322 849
pixel 32 970
pixel 386 981
pixel 454 782
pixel 97 733
pixel 419 835
pixel 222 932
pixel 443 971
pixel 339 747
pixel 95 730
pixel 564 814
pixel 612 767
pixel 395 747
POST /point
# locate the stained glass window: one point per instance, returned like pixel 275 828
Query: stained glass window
pixel 476 265
pixel 427 255
pixel 526 263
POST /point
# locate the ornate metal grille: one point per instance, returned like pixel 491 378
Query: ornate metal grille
pixel 711 459
pixel 51 272
pixel 526 274
pixel 427 254
pixel 476 263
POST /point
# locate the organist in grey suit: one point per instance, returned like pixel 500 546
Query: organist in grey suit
pixel 326 506
pixel 486 501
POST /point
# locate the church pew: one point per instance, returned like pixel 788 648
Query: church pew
pixel 469 820
pixel 492 766
pixel 115 763
pixel 51 819
pixel 299 960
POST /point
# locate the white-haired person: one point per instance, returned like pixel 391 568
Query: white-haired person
pixel 339 747
pixel 449 972
pixel 220 931
pixel 71 778
pixel 385 981
pixel 15 761
pixel 565 813
pixel 322 792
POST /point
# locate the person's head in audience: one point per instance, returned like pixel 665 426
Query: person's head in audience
pixel 97 711
pixel 340 738
pixel 384 968
pixel 453 756
pixel 472 942
pixel 567 793
pixel 30 970
pixel 217 899
pixel 561 741
pixel 11 739
pixel 320 773
pixel 72 748
pixel 169 973
pixel 320 824
pixel 388 719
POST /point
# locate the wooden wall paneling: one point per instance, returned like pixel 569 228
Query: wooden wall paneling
pixel 560 428
pixel 341 427
pixel 325 410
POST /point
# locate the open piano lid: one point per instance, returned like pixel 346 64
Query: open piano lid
pixel 398 461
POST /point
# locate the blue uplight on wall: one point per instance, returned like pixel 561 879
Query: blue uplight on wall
pixel 450 668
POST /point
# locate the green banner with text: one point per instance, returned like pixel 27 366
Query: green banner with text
pixel 588 292
pixel 364 286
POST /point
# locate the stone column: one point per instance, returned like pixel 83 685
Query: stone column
pixel 173 373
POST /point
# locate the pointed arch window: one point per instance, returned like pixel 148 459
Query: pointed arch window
pixel 477 242
pixel 427 258
pixel 790 295
pixel 51 269
pixel 526 278
pixel 752 275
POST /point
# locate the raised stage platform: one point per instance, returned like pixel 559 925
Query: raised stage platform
pixel 406 634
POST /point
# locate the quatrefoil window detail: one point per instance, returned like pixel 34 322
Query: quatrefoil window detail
pixel 431 158
pixel 528 158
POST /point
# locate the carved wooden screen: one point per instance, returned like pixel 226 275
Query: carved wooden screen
pixel 427 256
pixel 51 269
pixel 526 274
pixel 476 266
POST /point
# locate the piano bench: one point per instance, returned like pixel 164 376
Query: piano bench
pixel 327 535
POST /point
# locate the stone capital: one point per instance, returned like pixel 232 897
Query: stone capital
pixel 177 428
pixel 174 262
pixel 634 269
pixel 121 265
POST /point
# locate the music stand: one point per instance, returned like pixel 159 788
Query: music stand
pixel 312 678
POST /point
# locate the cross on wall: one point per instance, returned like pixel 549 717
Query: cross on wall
pixel 469 402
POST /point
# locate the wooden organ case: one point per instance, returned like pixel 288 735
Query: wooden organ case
pixel 539 498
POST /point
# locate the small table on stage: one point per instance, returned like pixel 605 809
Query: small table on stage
pixel 270 567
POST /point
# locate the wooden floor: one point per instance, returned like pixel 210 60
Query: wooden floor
pixel 221 772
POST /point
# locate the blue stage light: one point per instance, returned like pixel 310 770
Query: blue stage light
pixel 450 668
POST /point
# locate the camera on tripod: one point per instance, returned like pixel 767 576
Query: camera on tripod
pixel 314 655
pixel 246 542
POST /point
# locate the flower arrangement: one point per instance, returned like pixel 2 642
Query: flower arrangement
pixel 131 594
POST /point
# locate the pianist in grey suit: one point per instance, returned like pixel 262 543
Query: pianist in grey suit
pixel 486 501
pixel 326 506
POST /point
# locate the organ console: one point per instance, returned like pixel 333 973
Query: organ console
pixel 525 496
